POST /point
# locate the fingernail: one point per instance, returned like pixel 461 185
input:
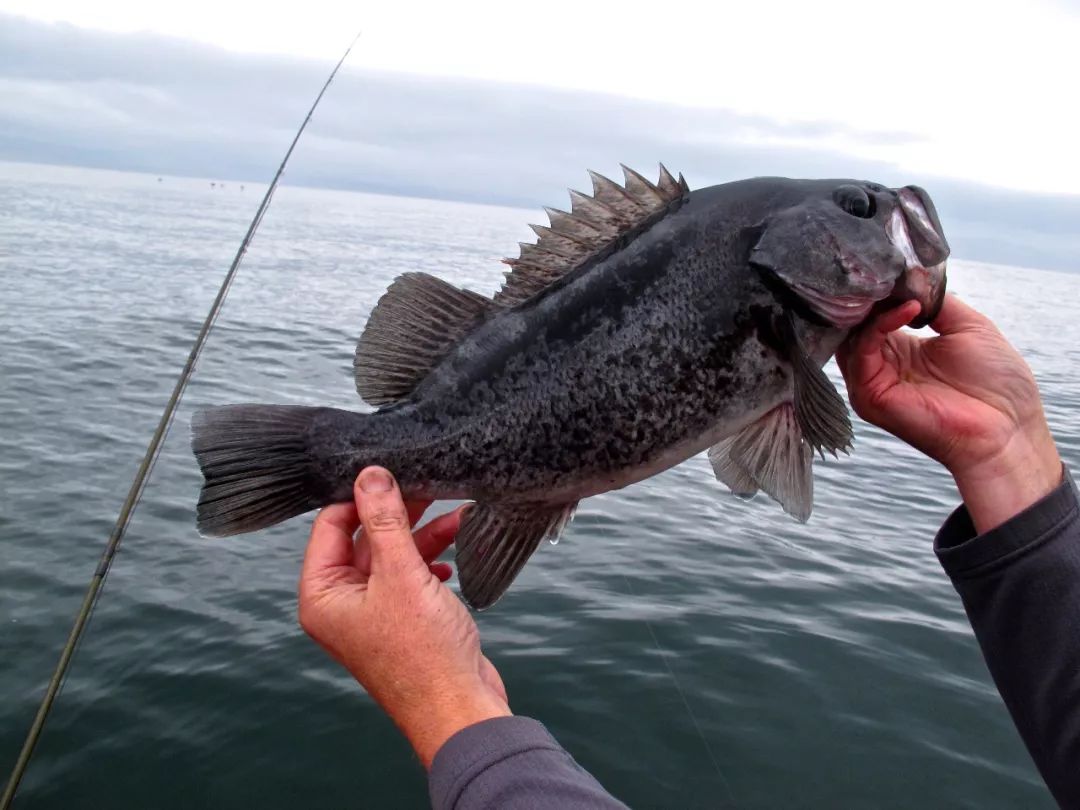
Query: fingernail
pixel 376 479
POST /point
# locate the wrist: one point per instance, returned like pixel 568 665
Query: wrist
pixel 428 726
pixel 1025 470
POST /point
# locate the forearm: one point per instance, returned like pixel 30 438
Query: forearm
pixel 1020 585
pixel 511 762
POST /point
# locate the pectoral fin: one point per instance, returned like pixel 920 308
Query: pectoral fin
pixel 729 472
pixel 495 542
pixel 819 409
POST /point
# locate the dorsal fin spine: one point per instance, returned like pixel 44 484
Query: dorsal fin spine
pixel 565 222
pixel 611 193
pixel 668 185
pixel 599 212
pixel 544 246
pixel 544 232
pixel 593 225
pixel 641 187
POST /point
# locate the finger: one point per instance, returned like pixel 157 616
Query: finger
pixel 416 510
pixel 862 357
pixel 330 545
pixel 362 550
pixel 437 535
pixel 956 316
pixel 431 540
pixel 362 554
pixel 893 319
pixel 386 522
pixel 442 570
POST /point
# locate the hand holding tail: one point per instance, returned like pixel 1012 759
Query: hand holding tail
pixel 378 605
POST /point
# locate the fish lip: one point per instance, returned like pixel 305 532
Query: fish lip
pixel 896 229
pixel 925 284
pixel 935 298
pixel 842 311
pixel 928 243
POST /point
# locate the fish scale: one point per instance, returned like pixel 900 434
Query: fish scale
pixel 648 324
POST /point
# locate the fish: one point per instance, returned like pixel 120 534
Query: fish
pixel 647 324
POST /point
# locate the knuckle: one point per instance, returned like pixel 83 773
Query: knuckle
pixel 387 519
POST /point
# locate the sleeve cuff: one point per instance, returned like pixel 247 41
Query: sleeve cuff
pixel 478 747
pixel 964 554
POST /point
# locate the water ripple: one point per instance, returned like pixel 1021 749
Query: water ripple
pixel 689 648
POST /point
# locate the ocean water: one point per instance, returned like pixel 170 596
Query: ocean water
pixel 689 649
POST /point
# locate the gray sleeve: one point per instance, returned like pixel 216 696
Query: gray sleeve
pixel 513 763
pixel 1020 585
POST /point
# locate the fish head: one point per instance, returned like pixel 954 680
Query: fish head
pixel 843 246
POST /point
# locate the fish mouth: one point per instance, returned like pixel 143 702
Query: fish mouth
pixel 841 311
pixel 912 228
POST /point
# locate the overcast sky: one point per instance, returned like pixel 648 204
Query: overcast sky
pixel 986 89
pixel 512 102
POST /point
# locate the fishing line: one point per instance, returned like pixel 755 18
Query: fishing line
pixel 682 695
pixel 134 495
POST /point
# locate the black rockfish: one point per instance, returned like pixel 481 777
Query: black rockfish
pixel 647 325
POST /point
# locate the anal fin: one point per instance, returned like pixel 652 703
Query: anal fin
pixel 495 542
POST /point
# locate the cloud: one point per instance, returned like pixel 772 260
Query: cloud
pixel 150 103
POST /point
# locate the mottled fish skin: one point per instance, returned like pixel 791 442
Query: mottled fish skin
pixel 647 325
pixel 622 369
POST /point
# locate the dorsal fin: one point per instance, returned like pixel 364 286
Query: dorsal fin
pixel 593 224
pixel 418 320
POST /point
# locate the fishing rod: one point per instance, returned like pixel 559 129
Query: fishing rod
pixel 157 441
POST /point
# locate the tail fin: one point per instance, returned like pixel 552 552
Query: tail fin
pixel 257 466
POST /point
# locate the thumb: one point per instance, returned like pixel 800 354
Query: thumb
pixel 956 316
pixel 386 522
pixel 860 357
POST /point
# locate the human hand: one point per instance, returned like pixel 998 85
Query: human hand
pixel 379 606
pixel 965 398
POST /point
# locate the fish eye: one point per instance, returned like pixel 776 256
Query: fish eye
pixel 855 201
